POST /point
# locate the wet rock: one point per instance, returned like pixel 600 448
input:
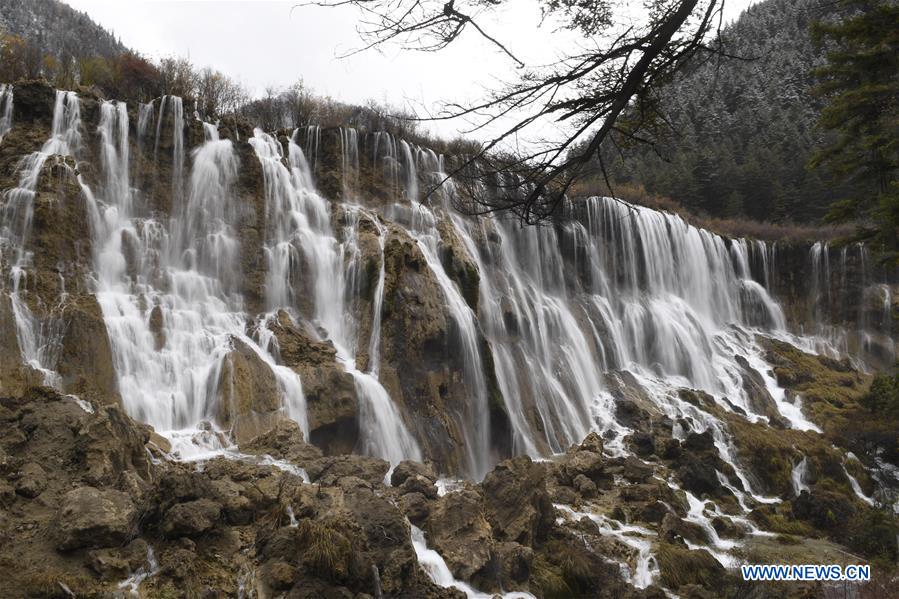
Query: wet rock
pixel 676 530
pixel 458 530
pixel 90 517
pixel 157 327
pixel 642 444
pixel 458 264
pixel 415 506
pixel 191 518
pixel 703 441
pixel 330 392
pixel 654 512
pixel 329 470
pixel 251 398
pixel 85 362
pixel 284 442
pixel 518 507
pixel 636 471
pixel 407 468
pixel 697 475
pixel 760 400
pixel 419 484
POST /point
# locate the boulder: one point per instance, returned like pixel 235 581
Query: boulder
pixel 190 519
pixel 329 470
pixel 459 532
pixel 407 468
pixel 251 396
pixel 32 480
pixel 637 471
pixel 90 517
pixel 582 461
pixel 284 442
pixel 419 484
pixel 517 505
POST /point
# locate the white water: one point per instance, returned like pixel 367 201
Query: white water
pixel 6 99
pixel 37 340
pixel 832 277
pixel 303 252
pixel 437 570
pixel 563 308
pixel 169 290
pixel 799 476
pixel 644 569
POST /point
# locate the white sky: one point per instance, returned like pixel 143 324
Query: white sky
pixel 263 43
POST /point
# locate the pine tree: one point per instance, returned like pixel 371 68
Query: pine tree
pixel 861 83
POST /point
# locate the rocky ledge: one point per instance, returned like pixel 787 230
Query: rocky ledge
pixel 93 505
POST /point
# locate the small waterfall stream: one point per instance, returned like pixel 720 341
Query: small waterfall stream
pixel 37 340
pixel 6 99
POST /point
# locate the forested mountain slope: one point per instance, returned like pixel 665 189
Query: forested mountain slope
pixel 58 29
pixel 743 128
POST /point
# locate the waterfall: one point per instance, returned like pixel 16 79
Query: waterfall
pixel 6 97
pixel 422 226
pixel 384 152
pixel 303 252
pixel 349 159
pixel 38 341
pixel 841 290
pixel 799 476
pixel 168 291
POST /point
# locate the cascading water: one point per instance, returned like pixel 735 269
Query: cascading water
pixel 422 226
pixel 168 290
pixel 841 296
pixel 622 288
pixel 6 98
pixel 302 251
pixel 37 340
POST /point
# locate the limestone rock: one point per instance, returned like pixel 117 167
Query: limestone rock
pixel 329 470
pixel 251 396
pixel 517 504
pixel 191 518
pixel 32 480
pixel 284 442
pixel 458 530
pixel 406 469
pixel 90 517
pixel 331 400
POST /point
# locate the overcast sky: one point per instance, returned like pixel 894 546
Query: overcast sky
pixel 266 43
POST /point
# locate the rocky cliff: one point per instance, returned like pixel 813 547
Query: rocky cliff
pixel 254 364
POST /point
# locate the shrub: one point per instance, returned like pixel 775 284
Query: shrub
pixel 882 399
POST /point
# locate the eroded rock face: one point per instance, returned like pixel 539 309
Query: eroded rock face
pixel 458 529
pixel 331 401
pixel 250 396
pixel 91 517
pixel 85 363
pixel 518 507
